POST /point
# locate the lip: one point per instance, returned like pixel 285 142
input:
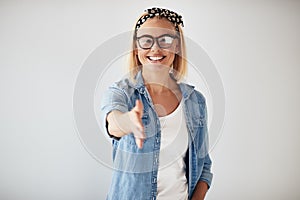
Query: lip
pixel 156 58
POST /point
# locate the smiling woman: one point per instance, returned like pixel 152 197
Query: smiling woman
pixel 158 124
pixel 157 22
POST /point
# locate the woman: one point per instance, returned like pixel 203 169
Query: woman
pixel 158 124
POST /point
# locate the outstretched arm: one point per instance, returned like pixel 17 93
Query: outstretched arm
pixel 120 124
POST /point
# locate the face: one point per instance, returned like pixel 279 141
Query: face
pixel 157 42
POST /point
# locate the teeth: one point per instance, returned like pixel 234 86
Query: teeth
pixel 155 57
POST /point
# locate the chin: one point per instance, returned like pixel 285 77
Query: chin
pixel 156 67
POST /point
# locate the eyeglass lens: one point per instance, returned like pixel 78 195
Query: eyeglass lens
pixel 147 41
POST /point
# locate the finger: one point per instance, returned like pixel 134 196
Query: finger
pixel 137 122
pixel 138 133
pixel 140 126
pixel 139 142
pixel 139 111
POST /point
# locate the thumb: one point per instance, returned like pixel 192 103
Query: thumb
pixel 139 107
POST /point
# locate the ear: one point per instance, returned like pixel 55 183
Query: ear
pixel 135 51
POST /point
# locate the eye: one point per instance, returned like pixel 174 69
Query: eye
pixel 148 41
pixel 166 40
pixel 145 41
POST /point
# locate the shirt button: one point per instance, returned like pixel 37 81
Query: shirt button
pixel 142 91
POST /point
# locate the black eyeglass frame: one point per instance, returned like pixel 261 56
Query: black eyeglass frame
pixel 155 39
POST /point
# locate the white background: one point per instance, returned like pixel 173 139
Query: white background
pixel 255 46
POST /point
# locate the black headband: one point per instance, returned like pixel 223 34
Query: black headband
pixel 168 14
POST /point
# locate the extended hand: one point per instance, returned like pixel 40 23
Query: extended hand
pixel 137 127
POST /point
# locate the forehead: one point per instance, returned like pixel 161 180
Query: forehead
pixel 156 27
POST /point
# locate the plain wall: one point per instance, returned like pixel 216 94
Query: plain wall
pixel 253 44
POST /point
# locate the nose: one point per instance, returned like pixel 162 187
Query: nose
pixel 155 46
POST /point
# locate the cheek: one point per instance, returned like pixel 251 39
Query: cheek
pixel 171 58
pixel 171 54
pixel 141 52
pixel 141 55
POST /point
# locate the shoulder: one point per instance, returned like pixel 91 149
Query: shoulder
pixel 200 97
pixel 193 94
pixel 195 103
pixel 121 90
pixel 124 85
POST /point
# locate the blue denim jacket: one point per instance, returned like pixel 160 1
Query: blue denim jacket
pixel 135 170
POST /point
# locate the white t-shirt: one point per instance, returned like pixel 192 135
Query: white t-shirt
pixel 171 181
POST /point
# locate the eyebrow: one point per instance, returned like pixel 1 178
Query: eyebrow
pixel 147 35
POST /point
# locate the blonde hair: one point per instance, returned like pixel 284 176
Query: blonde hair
pixel 179 63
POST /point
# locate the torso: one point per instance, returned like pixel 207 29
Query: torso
pixel 166 102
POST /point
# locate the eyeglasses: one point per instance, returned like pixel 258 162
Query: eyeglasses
pixel 163 41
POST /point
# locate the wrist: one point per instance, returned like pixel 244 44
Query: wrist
pixel 118 123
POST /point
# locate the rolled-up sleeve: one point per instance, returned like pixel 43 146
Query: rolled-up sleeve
pixel 114 98
pixel 206 175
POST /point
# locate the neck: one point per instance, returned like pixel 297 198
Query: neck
pixel 158 82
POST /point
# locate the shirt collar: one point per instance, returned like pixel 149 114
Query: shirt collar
pixel 139 85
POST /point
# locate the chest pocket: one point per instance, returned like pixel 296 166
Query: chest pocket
pixel 198 122
pixel 196 115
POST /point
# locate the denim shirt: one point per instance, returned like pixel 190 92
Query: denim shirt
pixel 135 170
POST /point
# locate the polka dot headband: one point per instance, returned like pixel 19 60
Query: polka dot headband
pixel 152 12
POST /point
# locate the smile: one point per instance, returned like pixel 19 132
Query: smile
pixel 156 58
